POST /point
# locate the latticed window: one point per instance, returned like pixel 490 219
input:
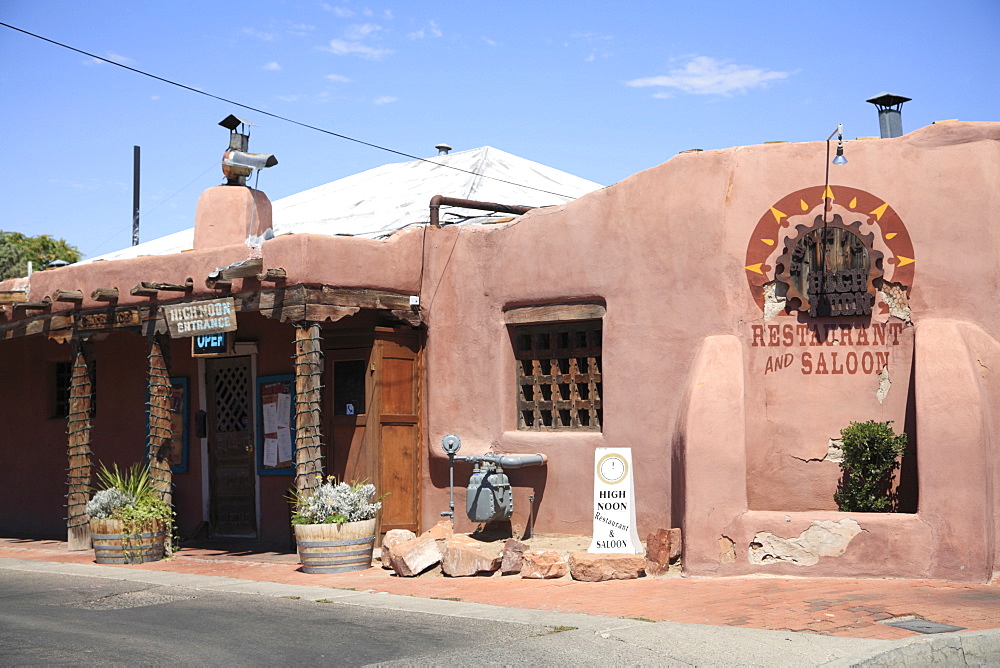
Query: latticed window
pixel 559 376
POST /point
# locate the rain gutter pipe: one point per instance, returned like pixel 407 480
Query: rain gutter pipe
pixel 440 200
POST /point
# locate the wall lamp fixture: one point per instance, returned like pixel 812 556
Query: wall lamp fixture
pixel 839 159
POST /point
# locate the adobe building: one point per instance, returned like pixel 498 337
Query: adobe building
pixel 724 315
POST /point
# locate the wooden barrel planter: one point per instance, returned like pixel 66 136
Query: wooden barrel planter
pixel 113 546
pixel 335 548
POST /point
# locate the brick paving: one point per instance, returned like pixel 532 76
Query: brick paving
pixel 836 607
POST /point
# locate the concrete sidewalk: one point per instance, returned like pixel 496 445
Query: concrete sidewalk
pixel 754 620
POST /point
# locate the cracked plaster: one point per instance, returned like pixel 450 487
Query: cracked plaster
pixel 821 539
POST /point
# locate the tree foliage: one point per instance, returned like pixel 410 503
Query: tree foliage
pixel 871 456
pixel 17 249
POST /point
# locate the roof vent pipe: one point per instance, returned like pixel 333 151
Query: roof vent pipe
pixel 890 119
pixel 443 149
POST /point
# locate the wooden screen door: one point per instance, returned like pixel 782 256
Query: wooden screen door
pixel 232 494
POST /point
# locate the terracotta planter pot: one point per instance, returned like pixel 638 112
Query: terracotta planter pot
pixel 335 548
pixel 112 546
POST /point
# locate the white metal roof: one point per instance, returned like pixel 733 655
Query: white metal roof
pixel 377 202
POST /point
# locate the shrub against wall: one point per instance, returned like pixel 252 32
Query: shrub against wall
pixel 871 456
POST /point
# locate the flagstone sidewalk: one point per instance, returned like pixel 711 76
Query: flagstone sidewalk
pixel 835 607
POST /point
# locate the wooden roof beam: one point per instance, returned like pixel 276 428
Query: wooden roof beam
pixel 43 305
pixel 13 296
pixel 74 296
pixel 105 295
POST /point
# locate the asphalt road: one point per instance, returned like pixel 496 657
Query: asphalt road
pixel 85 614
pixel 60 619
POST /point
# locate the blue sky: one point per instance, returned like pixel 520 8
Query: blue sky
pixel 600 90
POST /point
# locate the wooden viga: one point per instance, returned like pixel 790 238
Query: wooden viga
pixel 308 383
pixel 78 450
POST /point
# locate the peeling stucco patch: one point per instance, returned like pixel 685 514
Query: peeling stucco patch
pixel 835 451
pixel 883 384
pixel 895 297
pixel 774 299
pixel 821 539
pixel 727 550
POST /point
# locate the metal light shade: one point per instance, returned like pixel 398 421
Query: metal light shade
pixel 839 159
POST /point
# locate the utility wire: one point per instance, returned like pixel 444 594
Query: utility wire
pixel 280 118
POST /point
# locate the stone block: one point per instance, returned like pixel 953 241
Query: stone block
pixel 662 548
pixel 512 557
pixel 391 539
pixel 588 567
pixel 463 557
pixel 413 557
pixel 440 531
pixel 543 565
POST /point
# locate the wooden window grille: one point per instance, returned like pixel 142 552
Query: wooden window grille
pixel 559 376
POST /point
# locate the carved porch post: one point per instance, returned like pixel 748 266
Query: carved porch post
pixel 160 423
pixel 308 376
pixel 78 450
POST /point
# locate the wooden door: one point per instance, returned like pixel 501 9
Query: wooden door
pixel 398 425
pixel 376 379
pixel 232 493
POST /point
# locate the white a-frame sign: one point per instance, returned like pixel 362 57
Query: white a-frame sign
pixel 614 503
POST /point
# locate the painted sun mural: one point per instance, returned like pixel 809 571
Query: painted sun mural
pixel 828 251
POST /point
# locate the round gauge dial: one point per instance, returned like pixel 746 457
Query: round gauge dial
pixel 612 468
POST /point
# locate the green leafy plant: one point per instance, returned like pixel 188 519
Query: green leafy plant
pixel 335 503
pixel 129 496
pixel 872 451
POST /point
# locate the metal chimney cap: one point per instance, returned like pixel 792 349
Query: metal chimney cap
pixel 443 149
pixel 887 99
pixel 231 122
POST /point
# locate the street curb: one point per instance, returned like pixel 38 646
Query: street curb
pixel 962 649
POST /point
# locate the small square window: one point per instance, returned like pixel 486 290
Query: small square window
pixel 62 375
pixel 559 376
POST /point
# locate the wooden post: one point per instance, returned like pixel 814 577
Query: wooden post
pixel 78 473
pixel 308 436
pixel 160 424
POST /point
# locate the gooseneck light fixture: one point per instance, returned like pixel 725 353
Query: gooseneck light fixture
pixel 839 159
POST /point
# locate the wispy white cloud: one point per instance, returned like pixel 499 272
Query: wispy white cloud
pixel 340 12
pixel 272 67
pixel 259 34
pixel 342 47
pixel 111 57
pixel 387 14
pixel 337 78
pixel 359 31
pixel 301 27
pixel 432 30
pixel 385 99
pixel 703 75
pixel 491 42
pixel 154 98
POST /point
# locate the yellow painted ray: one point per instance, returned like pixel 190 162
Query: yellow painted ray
pixel 769 242
pixel 891 235
pixel 854 203
pixel 778 215
pixel 879 211
pixel 756 268
pixel 802 203
pixel 828 194
pixel 902 261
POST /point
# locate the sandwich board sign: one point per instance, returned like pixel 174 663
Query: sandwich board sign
pixel 614 503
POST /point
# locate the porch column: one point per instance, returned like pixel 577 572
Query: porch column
pixel 308 436
pixel 78 449
pixel 160 424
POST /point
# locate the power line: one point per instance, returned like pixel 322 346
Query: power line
pixel 280 118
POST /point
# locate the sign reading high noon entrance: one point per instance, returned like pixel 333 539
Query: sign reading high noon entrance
pixel 614 503
pixel 205 317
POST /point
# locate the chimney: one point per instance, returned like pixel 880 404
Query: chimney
pixel 890 120
pixel 234 213
pixel 443 149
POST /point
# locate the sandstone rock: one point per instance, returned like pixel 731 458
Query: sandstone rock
pixel 588 567
pixel 513 556
pixel 391 539
pixel 413 557
pixel 440 531
pixel 662 547
pixel 463 557
pixel 543 565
